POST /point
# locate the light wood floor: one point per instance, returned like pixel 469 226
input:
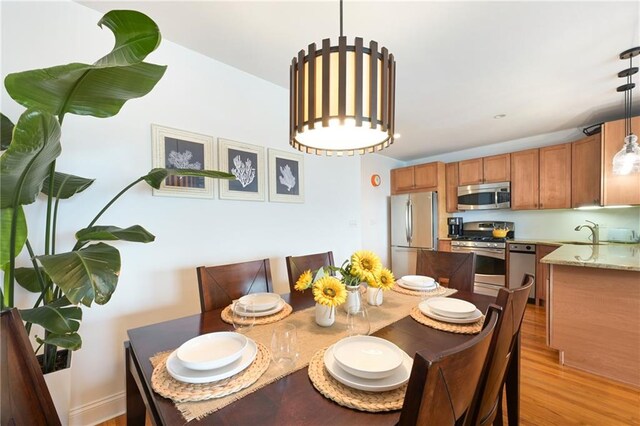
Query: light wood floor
pixel 555 395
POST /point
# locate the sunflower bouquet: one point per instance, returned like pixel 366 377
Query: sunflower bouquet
pixel 362 266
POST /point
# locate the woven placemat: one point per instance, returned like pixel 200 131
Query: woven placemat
pixel 167 386
pixel 353 398
pixel 473 328
pixel 227 317
pixel 439 291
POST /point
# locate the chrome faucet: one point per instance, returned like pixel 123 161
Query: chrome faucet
pixel 595 239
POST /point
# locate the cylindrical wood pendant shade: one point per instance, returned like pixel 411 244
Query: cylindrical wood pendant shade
pixel 342 98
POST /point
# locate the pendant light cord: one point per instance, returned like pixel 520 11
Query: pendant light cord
pixel 630 81
pixel 341 19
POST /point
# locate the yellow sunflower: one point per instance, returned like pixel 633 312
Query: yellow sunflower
pixel 304 281
pixel 387 280
pixel 366 265
pixel 329 291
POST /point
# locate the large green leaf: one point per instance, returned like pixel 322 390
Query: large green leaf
pixel 28 279
pixel 25 165
pixel 65 185
pixel 135 233
pixel 83 89
pixel 6 216
pixel 85 275
pixel 58 320
pixel 156 176
pixel 71 341
pixel 136 36
pixel 6 129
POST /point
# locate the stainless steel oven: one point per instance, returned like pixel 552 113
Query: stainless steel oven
pixel 486 196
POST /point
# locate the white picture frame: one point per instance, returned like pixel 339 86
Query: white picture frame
pixel 247 163
pixel 286 177
pixel 173 148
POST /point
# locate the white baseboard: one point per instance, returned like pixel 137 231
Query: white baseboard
pixel 98 411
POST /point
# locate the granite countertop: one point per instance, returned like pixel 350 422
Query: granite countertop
pixel 606 256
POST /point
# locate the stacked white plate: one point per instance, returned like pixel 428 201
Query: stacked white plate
pixel 262 304
pixel 211 357
pixel 418 282
pixel 368 363
pixel 449 309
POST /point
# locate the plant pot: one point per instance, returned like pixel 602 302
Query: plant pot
pixel 325 315
pixel 374 296
pixel 59 384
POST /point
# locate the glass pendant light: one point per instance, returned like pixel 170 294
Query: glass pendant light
pixel 627 160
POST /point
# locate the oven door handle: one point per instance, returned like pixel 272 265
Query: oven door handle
pixel 495 253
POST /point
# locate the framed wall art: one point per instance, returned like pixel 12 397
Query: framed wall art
pixel 286 177
pixel 246 162
pixel 179 149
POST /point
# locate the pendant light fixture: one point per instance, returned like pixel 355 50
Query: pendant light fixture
pixel 342 98
pixel 627 160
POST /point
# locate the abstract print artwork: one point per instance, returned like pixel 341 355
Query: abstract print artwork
pixel 286 177
pixel 179 149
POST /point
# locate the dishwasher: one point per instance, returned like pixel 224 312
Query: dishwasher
pixel 522 260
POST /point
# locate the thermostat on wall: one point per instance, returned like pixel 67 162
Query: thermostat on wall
pixel 375 180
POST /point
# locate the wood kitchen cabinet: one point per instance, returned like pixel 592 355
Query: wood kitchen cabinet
pixel 585 171
pixel 422 177
pixel 555 177
pixel 525 179
pixel 451 177
pixel 496 168
pixel 444 245
pixel 617 190
pixel 542 271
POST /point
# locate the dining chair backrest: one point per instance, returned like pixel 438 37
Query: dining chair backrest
pixel 296 265
pixel 453 270
pixel 487 402
pixel 222 284
pixel 25 397
pixel 442 385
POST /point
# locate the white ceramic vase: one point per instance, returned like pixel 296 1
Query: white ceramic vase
pixel 325 315
pixel 374 296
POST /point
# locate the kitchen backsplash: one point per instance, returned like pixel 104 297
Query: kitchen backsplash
pixel 560 224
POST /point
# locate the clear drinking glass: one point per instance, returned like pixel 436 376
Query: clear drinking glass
pixel 242 314
pixel 284 345
pixel 358 321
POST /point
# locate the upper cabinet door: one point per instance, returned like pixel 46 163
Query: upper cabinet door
pixel 451 177
pixel 470 172
pixel 426 176
pixel 401 180
pixel 497 168
pixel 617 189
pixel 555 177
pixel 524 180
pixel 585 172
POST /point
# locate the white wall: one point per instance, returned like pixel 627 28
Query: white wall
pixel 197 94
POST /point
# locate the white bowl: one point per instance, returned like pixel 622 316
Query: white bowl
pixel 260 301
pixel 367 356
pixel 213 350
pixel 451 307
pixel 418 280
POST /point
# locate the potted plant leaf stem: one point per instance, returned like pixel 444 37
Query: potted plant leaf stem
pixel 89 271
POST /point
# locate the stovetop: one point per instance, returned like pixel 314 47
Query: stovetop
pixel 480 238
pixel 479 241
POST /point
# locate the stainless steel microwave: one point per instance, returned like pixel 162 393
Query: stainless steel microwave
pixel 485 196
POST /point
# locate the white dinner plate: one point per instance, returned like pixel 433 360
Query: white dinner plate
pixel 368 357
pixel 408 286
pixel 271 311
pixel 260 302
pixel 399 377
pixel 418 280
pixel 451 307
pixel 212 350
pixel 424 308
pixel 178 371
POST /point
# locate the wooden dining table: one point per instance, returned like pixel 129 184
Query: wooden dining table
pixel 291 400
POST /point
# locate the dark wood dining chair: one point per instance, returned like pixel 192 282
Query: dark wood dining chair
pixel 296 265
pixel 220 285
pixel 454 270
pixel 487 405
pixel 25 397
pixel 442 385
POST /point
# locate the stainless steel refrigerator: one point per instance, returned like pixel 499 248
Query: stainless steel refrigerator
pixel 414 226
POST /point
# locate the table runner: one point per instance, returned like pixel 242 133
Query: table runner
pixel 311 338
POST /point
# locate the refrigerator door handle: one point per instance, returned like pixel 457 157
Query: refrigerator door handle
pixel 407 221
pixel 410 221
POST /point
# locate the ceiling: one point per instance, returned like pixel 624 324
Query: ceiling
pixel 548 66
